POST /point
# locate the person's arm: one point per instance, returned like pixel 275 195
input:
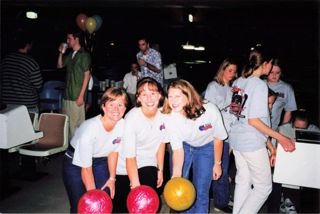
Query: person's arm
pixel 218 148
pixel 112 166
pixel 132 170
pixel 86 78
pixel 287 117
pixel 287 144
pixel 153 68
pixel 160 161
pixel 60 62
pixel 272 151
pixel 177 162
pixel 87 178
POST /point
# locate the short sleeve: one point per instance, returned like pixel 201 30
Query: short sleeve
pixel 219 128
pixel 291 104
pixel 86 62
pixel 84 148
pixel 211 93
pixel 258 101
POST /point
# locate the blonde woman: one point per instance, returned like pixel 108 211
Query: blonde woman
pixel 218 92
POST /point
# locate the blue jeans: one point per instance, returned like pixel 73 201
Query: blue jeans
pixel 201 159
pixel 73 182
pixel 220 187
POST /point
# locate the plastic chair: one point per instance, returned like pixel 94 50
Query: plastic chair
pixel 51 96
pixel 55 136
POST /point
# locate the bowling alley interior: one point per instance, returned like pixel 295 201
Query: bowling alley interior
pixel 193 38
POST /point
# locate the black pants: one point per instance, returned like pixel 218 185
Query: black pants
pixel 147 176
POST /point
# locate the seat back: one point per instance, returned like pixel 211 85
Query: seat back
pixel 51 95
pixel 55 130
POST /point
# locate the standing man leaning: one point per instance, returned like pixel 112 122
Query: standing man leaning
pixel 21 76
pixel 78 63
pixel 150 61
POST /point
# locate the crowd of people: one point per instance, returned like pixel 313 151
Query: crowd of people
pixel 124 147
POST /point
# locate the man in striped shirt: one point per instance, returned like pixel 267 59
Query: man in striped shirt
pixel 21 76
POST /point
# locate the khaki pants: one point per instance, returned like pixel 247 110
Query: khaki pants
pixel 76 115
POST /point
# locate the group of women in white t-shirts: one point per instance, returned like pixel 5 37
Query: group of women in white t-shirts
pixel 196 130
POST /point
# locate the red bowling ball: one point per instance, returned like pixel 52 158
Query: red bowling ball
pixel 143 199
pixel 95 201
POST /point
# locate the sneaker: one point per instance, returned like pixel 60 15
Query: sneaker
pixel 226 209
pixel 287 207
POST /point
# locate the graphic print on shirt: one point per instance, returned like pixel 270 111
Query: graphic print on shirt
pixel 205 127
pixel 117 140
pixel 162 126
pixel 238 101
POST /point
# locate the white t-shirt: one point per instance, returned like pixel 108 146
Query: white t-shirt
pixel 220 95
pixel 205 129
pixel 242 136
pixel 91 140
pixel 285 101
pixel 142 139
pixel 130 83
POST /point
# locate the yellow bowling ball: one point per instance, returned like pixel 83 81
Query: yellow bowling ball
pixel 179 194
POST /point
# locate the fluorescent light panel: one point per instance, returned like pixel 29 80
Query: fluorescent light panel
pixel 31 15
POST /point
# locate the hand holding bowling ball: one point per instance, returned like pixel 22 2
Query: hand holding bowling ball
pixel 95 201
pixel 179 193
pixel 143 199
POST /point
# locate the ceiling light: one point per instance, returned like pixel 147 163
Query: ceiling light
pixel 199 48
pixel 190 17
pixel 31 15
pixel 187 46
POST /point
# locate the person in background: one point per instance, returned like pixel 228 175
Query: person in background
pixel 218 91
pixel 291 203
pixel 248 135
pixel 197 127
pixel 130 82
pixel 141 158
pixel 78 64
pixel 21 75
pixel 149 61
pixel 91 159
pixel 285 96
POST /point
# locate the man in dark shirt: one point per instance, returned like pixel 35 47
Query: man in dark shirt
pixel 21 76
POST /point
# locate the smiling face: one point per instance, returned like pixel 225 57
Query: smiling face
pixel 274 75
pixel 177 100
pixel 114 109
pixel 149 98
pixel 229 73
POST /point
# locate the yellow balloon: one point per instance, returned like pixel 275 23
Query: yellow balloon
pixel 91 24
pixel 179 194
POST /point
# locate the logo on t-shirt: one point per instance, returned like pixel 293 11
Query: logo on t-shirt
pixel 205 127
pixel 117 140
pixel 238 101
pixel 162 126
pixel 279 94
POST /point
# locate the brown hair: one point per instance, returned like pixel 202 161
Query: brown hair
pixel 194 107
pixel 152 84
pixel 112 94
pixel 256 59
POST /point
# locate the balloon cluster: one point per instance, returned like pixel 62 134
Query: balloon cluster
pixel 89 24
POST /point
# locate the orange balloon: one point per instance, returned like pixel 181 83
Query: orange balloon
pixel 81 21
pixel 179 194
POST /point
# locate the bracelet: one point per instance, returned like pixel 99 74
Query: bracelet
pixel 218 162
pixel 112 179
